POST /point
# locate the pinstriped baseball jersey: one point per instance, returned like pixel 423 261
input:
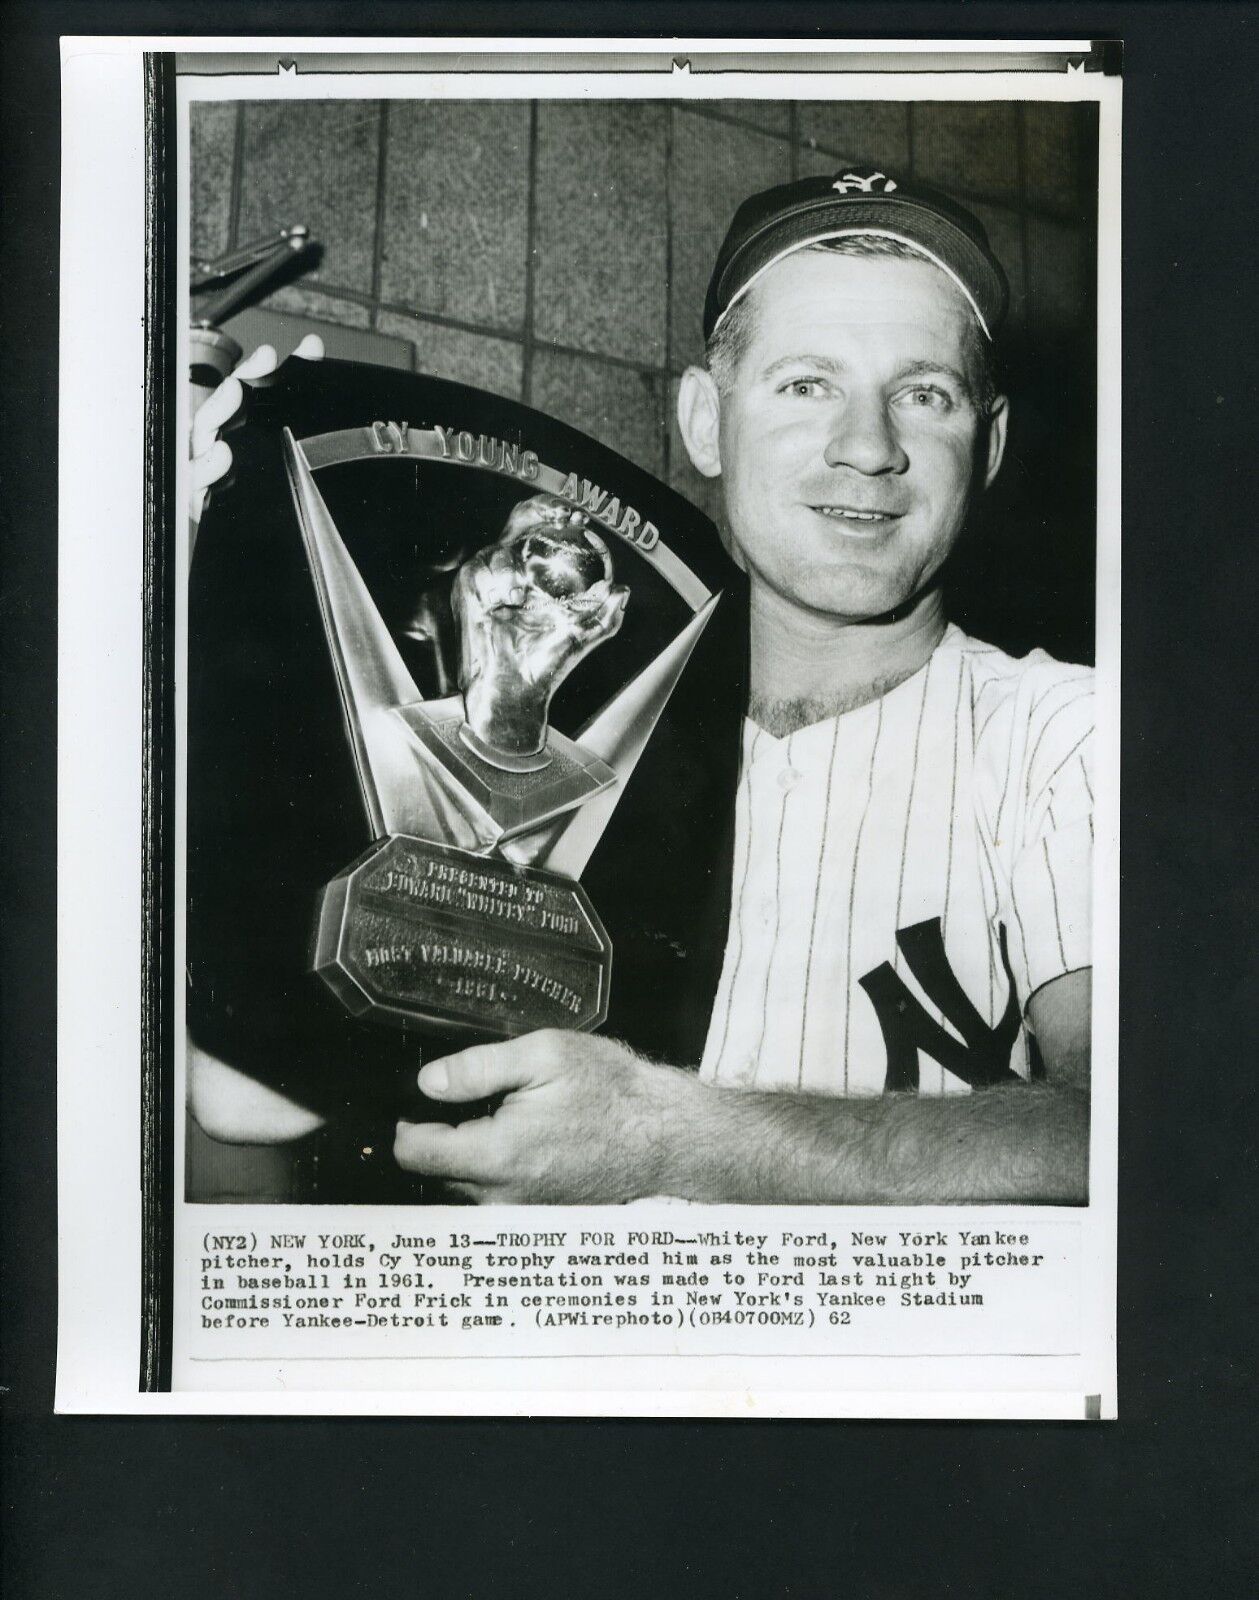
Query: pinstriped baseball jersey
pixel 906 876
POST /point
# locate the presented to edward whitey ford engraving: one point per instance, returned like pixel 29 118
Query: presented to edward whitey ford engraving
pixel 464 915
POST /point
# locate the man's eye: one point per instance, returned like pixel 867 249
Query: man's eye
pixel 926 397
pixel 802 388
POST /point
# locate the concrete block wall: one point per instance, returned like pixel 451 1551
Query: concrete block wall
pixel 559 251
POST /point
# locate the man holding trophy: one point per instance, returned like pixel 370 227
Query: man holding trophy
pixel 901 1013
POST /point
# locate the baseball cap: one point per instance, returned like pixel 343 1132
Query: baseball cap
pixel 773 224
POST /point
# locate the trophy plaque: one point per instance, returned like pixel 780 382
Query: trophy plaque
pixel 464 916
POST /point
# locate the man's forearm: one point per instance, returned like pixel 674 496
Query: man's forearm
pixel 1025 1143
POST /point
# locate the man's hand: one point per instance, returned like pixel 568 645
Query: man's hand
pixel 212 456
pixel 582 1120
pixel 585 1120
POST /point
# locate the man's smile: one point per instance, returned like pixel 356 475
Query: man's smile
pixel 857 521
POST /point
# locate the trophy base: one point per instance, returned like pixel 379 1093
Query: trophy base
pixel 561 778
pixel 504 760
pixel 429 937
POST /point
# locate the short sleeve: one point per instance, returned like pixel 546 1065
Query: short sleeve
pixel 1051 881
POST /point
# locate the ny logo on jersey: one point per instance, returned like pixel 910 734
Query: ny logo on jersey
pixel 865 184
pixel 982 1060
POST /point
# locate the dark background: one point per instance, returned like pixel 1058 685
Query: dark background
pixel 1160 1503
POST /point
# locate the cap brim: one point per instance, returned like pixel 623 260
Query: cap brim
pixel 932 235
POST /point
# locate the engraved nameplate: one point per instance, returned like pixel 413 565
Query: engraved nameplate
pixel 423 934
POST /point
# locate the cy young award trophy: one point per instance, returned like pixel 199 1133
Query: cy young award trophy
pixel 465 914
pixel 464 710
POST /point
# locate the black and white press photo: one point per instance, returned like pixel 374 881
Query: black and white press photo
pixel 626 703
pixel 823 929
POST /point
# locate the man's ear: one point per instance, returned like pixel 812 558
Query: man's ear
pixel 998 421
pixel 699 416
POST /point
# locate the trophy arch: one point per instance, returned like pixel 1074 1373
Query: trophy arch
pixel 412 775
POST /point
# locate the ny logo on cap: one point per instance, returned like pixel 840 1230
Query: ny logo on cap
pixel 866 184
